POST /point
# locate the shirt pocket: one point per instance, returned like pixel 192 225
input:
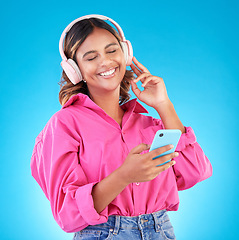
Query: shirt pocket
pixel 148 134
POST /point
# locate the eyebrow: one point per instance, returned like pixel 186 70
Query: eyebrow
pixel 93 51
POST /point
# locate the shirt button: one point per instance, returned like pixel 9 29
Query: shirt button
pixel 137 183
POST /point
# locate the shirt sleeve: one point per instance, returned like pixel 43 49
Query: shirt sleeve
pixel 192 165
pixel 55 166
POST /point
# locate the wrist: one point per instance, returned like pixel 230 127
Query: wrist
pixel 164 106
pixel 122 176
pixel 169 116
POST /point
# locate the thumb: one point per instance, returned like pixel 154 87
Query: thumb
pixel 135 89
pixel 140 148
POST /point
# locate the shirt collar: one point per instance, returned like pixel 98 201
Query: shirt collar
pixel 84 100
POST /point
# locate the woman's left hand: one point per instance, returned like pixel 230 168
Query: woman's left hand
pixel 154 93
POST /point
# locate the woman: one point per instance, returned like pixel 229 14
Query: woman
pixel 92 159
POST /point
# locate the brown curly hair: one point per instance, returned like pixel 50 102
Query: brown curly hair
pixel 74 38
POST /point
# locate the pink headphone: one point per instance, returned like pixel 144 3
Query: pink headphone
pixel 69 65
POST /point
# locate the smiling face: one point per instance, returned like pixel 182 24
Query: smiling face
pixel 101 61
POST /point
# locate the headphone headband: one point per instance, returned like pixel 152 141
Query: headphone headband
pixel 68 28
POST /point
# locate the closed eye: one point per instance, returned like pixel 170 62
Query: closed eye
pixel 112 51
pixel 90 59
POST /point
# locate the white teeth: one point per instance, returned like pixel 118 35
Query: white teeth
pixel 108 72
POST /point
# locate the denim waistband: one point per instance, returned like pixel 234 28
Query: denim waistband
pixel 116 223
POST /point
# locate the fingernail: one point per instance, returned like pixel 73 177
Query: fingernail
pixel 173 162
pixel 171 146
pixel 176 154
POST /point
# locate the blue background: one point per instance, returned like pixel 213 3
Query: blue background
pixel 192 45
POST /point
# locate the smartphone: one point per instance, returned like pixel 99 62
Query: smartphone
pixel 165 137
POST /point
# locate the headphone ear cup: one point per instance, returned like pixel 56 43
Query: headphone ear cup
pixel 128 52
pixel 125 51
pixel 72 70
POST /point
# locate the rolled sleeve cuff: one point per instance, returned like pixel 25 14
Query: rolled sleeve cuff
pixel 86 206
pixel 186 139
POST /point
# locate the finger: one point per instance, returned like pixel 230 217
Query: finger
pixel 140 148
pixel 166 166
pixel 150 78
pixel 142 77
pixel 140 65
pixel 135 89
pixel 158 151
pixel 159 169
pixel 164 159
pixel 135 70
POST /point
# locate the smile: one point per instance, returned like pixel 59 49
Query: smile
pixel 107 73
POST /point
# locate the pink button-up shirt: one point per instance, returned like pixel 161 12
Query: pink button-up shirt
pixel 81 145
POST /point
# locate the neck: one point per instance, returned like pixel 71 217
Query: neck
pixel 110 104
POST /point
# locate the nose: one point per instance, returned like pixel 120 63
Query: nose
pixel 105 59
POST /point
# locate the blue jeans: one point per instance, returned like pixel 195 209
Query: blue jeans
pixel 148 226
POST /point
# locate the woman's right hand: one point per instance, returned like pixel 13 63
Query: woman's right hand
pixel 139 167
